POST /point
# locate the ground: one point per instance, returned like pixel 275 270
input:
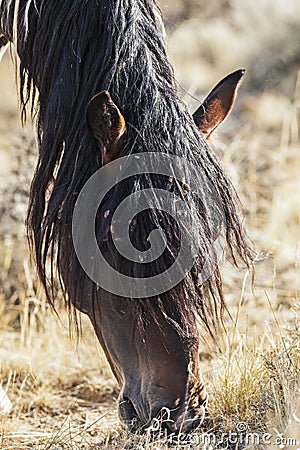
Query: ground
pixel 62 391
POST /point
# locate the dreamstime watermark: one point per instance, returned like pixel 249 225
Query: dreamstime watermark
pixel 99 185
pixel 240 437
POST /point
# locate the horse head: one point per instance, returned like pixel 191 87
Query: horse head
pixel 110 120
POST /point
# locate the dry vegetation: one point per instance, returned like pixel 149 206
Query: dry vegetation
pixel 62 391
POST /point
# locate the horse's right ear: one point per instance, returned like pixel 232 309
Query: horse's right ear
pixel 107 125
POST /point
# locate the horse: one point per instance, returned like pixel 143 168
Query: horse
pixel 95 77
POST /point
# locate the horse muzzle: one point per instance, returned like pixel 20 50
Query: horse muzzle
pixel 182 419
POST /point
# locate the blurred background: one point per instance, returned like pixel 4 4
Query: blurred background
pixel 49 382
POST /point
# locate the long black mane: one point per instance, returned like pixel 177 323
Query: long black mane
pixel 70 50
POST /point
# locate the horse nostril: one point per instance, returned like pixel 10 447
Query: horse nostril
pixel 128 414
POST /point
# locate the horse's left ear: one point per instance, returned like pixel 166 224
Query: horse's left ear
pixel 218 103
pixel 107 125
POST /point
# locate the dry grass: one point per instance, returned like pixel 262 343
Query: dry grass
pixel 63 393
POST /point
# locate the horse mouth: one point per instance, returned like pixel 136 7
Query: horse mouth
pixel 187 421
pixel 181 420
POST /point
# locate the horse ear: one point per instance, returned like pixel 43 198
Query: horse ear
pixel 106 124
pixel 3 45
pixel 218 103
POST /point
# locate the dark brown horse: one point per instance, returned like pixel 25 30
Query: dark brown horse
pixel 78 60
